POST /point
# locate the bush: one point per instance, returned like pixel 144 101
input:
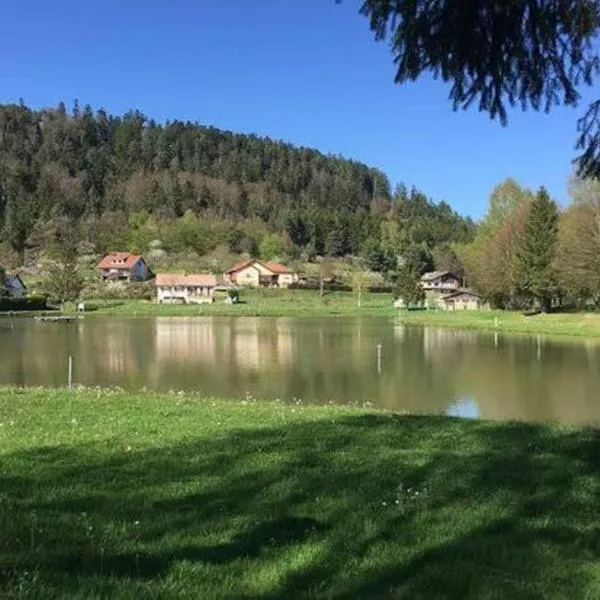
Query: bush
pixel 330 286
pixel 120 291
pixel 23 304
pixel 334 286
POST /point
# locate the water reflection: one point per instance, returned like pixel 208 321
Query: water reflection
pixel 465 408
pixel 320 360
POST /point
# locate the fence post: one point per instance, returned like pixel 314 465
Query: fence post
pixel 70 375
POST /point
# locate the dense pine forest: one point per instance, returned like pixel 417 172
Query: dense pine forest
pixel 75 184
pixel 182 189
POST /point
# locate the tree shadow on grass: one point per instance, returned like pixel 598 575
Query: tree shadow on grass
pixel 366 507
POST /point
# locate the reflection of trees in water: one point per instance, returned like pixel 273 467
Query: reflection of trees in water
pixel 424 370
pixel 519 377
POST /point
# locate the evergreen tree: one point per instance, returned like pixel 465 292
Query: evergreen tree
pixel 534 269
pixel 408 286
pixel 235 239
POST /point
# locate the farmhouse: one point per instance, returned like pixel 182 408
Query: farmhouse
pixel 124 266
pixel 441 282
pixel 184 289
pixel 255 273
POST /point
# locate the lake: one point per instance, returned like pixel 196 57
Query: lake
pixel 422 370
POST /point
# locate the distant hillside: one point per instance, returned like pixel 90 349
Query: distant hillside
pixel 124 182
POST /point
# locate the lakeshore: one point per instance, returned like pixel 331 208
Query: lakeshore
pixel 303 303
pixel 112 494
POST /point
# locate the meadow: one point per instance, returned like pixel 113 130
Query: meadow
pixel 107 494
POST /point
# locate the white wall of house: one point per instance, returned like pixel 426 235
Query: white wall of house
pixel 184 294
pixel 285 279
pixel 248 276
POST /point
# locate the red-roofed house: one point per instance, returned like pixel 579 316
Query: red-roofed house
pixel 124 266
pixel 255 273
pixel 186 289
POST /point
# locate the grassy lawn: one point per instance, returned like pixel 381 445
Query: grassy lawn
pixel 303 303
pixel 261 303
pixel 113 495
pixel 574 324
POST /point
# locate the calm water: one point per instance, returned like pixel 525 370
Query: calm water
pixel 316 360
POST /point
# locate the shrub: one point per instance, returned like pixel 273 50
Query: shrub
pixel 23 304
pixel 120 291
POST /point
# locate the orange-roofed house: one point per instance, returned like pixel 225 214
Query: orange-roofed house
pixel 124 266
pixel 184 289
pixel 256 273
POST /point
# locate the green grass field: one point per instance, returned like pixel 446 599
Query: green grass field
pixel 261 303
pixel 303 303
pixel 572 324
pixel 113 495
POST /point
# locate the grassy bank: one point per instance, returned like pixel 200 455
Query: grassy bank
pixel 261 303
pixel 572 324
pixel 303 303
pixel 112 495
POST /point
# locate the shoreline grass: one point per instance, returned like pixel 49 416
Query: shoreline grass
pixel 302 303
pixel 585 325
pixel 261 303
pixel 117 495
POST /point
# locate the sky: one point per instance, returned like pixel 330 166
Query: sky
pixel 307 72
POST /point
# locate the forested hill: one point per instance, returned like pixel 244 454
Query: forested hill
pixel 112 174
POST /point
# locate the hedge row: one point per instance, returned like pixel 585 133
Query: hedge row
pixel 25 303
pixel 338 287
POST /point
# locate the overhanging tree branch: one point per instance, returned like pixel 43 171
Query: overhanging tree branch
pixel 499 54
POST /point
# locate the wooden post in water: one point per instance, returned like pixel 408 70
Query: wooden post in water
pixel 495 339
pixel 539 347
pixel 379 358
pixel 70 375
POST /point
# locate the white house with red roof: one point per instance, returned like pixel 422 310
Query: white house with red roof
pixel 172 288
pixel 257 273
pixel 124 266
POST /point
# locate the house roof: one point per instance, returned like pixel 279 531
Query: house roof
pixel 460 293
pixel 274 267
pixel 434 275
pixel 119 260
pixel 190 280
pixel 277 268
pixel 238 266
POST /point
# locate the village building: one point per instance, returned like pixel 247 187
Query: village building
pixel 123 266
pixel 462 299
pixel 255 273
pixel 185 289
pixel 440 282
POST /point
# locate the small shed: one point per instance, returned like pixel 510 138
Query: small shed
pixel 462 300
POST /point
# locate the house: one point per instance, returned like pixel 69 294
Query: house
pixel 255 273
pixel 124 266
pixel 185 289
pixel 462 299
pixel 15 286
pixel 440 282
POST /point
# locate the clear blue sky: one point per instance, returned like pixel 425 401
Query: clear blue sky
pixel 304 71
